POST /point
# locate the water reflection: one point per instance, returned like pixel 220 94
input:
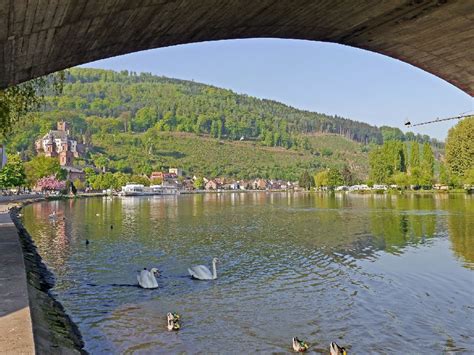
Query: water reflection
pixel 461 228
pixel 315 265
pixel 397 222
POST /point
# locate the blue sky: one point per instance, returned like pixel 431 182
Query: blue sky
pixel 315 76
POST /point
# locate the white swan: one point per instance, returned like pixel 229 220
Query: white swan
pixel 201 272
pixel 147 279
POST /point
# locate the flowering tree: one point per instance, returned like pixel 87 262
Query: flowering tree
pixel 50 183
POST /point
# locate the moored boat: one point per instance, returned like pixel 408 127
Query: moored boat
pixel 141 190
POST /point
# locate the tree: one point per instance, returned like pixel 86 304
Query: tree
pixel 469 177
pixel 41 166
pixel 144 119
pixel 90 174
pixel 140 179
pixel 380 167
pixel 17 101
pixel 395 155
pixel 460 147
pixel 50 183
pixel 306 180
pixel 125 119
pixel 410 136
pixel 414 155
pixel 335 178
pixel 321 179
pixel 392 134
pixel 80 186
pixel 268 139
pixel 401 179
pixel 121 179
pixel 199 183
pixel 100 161
pixel 387 160
pixel 427 165
pixel 416 176
pixel 444 177
pixel 13 173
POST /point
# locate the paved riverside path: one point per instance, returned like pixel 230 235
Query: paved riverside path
pixel 16 332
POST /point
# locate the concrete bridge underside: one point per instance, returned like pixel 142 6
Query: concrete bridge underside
pixel 38 37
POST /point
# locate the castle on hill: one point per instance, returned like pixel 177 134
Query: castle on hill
pixel 60 144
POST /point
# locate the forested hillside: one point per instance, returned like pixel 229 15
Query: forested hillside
pixel 139 102
pixel 136 123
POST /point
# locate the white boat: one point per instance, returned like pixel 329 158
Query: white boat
pixel 132 190
pixel 163 190
pixel 141 190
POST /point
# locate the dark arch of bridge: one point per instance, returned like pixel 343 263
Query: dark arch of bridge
pixel 38 37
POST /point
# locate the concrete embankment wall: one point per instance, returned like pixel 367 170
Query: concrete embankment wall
pixel 44 326
pixel 16 331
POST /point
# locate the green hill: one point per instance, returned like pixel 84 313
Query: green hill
pixel 206 156
pixel 139 123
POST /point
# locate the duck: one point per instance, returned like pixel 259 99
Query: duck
pixel 173 321
pixel 299 346
pixel 201 272
pixel 147 279
pixel 52 215
pixel 335 349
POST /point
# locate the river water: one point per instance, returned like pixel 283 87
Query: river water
pixel 375 273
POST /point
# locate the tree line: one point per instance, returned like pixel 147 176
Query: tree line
pixel 413 164
pixel 409 163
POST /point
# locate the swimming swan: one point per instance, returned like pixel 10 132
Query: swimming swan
pixel 201 272
pixel 147 279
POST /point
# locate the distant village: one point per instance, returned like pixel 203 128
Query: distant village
pixel 174 177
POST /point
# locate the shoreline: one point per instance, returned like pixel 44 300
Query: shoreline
pixel 53 329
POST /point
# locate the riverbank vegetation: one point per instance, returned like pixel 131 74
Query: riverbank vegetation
pixel 412 164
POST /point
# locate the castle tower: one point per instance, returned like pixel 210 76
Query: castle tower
pixel 66 158
pixel 50 146
pixel 63 126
